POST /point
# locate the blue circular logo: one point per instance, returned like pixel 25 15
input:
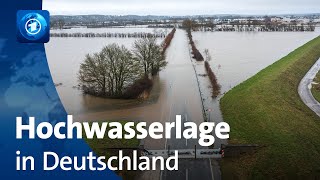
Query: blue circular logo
pixel 33 26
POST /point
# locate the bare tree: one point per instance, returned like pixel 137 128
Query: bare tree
pixel 92 76
pixel 122 68
pixel 109 72
pixel 188 24
pixel 150 55
pixel 211 24
pixel 207 54
pixel 61 23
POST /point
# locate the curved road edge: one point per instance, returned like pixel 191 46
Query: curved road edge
pixel 304 88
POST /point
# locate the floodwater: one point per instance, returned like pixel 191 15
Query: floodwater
pixel 64 57
pixel 111 30
pixel 236 56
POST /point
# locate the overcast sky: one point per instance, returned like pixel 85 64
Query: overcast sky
pixel 180 7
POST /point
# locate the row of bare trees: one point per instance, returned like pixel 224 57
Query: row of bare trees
pixel 167 41
pixel 59 24
pixel 265 25
pixel 188 25
pixel 109 35
pixel 117 72
pixel 259 28
pixel 213 80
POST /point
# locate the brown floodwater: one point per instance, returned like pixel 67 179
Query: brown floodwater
pixel 236 56
pixel 64 57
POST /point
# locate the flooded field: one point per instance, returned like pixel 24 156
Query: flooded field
pixel 111 30
pixel 236 56
pixel 64 58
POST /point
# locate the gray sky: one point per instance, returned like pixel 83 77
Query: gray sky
pixel 180 7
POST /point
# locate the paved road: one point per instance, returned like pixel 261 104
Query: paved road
pixel 183 99
pixel 179 95
pixel 304 89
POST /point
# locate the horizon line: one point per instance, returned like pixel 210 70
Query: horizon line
pixel 222 14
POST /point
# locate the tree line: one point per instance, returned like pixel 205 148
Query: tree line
pixel 189 25
pixel 213 80
pixel 167 41
pixel 117 72
pixel 265 25
pixel 109 35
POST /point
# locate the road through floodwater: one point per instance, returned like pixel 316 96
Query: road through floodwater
pixel 184 99
pixel 236 56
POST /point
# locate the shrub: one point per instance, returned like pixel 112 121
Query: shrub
pixel 213 80
pixel 137 88
pixel 196 53
pixel 167 40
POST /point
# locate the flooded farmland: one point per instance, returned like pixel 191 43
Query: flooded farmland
pixel 180 89
pixel 236 56
pixel 64 58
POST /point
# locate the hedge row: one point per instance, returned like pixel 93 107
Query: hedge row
pixel 196 54
pixel 213 80
pixel 167 40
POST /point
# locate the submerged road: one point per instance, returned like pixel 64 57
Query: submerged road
pixel 183 99
pixel 179 95
pixel 304 88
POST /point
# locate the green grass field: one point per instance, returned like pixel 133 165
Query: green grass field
pixel 267 110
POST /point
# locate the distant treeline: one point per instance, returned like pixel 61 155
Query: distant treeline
pixel 262 28
pixel 101 21
pixel 264 25
pixel 161 26
pixel 110 35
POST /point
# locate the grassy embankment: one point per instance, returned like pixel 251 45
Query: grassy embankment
pixel 99 147
pixel 267 110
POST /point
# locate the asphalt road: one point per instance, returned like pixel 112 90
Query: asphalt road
pixel 304 89
pixel 183 99
pixel 179 95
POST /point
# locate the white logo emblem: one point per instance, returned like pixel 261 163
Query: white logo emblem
pixel 33 26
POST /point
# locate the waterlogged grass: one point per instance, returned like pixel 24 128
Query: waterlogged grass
pixel 101 147
pixel 315 90
pixel 267 110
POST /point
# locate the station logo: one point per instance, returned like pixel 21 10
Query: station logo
pixel 33 26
